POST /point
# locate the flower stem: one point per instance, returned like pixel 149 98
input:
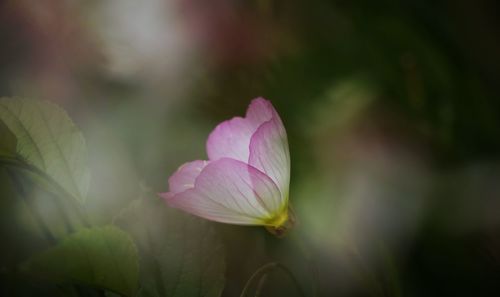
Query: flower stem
pixel 260 285
pixel 263 271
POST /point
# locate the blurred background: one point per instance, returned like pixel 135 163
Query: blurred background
pixel 392 110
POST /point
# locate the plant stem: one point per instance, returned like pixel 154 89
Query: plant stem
pixel 260 285
pixel 264 270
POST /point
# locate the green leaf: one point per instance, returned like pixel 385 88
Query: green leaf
pixel 180 255
pixel 8 141
pixel 48 140
pixel 38 208
pixel 102 257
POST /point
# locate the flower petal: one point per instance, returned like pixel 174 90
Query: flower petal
pixel 184 178
pixel 260 111
pixel 269 153
pixel 231 139
pixel 231 191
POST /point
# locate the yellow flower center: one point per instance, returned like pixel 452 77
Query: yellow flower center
pixel 278 220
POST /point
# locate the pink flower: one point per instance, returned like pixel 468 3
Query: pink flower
pixel 246 179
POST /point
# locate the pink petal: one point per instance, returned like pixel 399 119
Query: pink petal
pixel 184 178
pixel 269 153
pixel 259 111
pixel 231 139
pixel 231 191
